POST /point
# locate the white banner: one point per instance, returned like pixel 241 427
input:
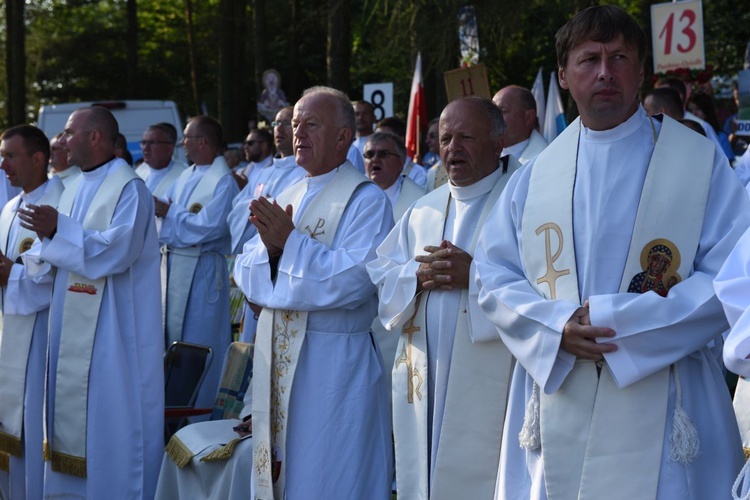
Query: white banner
pixel 677 35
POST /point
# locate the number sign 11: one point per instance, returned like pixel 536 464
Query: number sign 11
pixel 677 34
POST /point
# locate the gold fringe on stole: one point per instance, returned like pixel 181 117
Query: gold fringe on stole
pixel 222 453
pixel 178 452
pixel 747 452
pixel 46 451
pixel 68 464
pixel 4 462
pixel 10 444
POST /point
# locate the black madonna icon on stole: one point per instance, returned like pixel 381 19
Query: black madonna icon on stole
pixel 660 260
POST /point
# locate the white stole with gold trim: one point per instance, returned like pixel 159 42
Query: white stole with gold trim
pixel 590 427
pixel 184 260
pixel 280 336
pixel 82 303
pixel 467 460
pixel 16 331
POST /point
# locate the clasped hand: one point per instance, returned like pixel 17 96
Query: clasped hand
pixel 274 224
pixel 579 337
pixel 445 267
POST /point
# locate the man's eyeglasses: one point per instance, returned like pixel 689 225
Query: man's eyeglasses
pixel 377 153
pixel 152 143
pixel 283 123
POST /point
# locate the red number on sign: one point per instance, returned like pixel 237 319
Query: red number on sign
pixel 471 87
pixel 688 31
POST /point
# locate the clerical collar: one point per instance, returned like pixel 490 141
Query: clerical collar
pixel 322 178
pixel 30 198
pixel 479 188
pixel 98 166
pixel 617 133
pixel 516 149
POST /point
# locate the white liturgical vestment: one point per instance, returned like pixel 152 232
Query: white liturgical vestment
pixel 126 371
pixel 652 331
pixel 338 426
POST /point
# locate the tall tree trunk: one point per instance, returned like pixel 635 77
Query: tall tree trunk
pixel 259 47
pixel 232 102
pixel 294 78
pixel 339 45
pixel 16 61
pixel 132 44
pixel 191 52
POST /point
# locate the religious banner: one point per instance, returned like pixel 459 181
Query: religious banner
pixel 677 35
pixel 743 115
pixel 464 82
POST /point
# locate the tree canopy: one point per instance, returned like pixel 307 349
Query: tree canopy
pixel 80 50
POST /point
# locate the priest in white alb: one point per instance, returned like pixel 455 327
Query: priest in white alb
pixel 24 308
pixel 449 391
pixel 193 216
pixel 596 266
pixel 321 425
pixel 104 404
pixel 159 169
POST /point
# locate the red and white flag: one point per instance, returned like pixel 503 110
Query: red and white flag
pixel 416 123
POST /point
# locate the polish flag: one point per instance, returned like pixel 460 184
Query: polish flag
pixel 416 123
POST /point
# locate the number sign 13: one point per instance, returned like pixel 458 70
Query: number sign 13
pixel 677 34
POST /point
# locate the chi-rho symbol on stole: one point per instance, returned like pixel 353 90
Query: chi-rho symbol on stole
pixel 550 277
pixel 405 357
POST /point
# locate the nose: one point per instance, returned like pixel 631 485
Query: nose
pixel 605 70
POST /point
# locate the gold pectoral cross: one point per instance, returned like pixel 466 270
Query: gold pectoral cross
pixel 552 274
pixel 405 358
pixel 314 232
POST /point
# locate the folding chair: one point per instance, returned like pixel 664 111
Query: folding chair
pixel 185 367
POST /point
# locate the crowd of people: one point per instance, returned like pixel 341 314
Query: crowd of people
pixel 502 318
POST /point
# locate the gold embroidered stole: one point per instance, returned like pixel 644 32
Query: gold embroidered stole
pixel 185 260
pixel 82 304
pixel 280 336
pixel 590 427
pixel 16 331
pixel 479 374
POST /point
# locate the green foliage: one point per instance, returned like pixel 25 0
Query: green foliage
pixel 76 49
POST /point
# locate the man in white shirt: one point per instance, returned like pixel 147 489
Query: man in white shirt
pixel 58 162
pixel 105 351
pixel 320 412
pixel 448 392
pixel 194 228
pixel 24 312
pixel 159 169
pixel 596 266
pixel 365 118
pixel 518 107
pixel 259 151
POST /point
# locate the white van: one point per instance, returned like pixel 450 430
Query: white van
pixel 132 116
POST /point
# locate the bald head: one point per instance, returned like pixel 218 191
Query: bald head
pixel 518 107
pixel 664 100
pixel 89 137
pixel 102 120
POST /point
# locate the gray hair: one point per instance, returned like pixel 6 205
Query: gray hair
pixel 492 112
pixel 376 137
pixel 345 116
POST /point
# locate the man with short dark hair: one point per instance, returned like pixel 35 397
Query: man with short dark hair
pixel 24 310
pixel 259 151
pixel 194 229
pixel 448 392
pixel 159 169
pixel 364 115
pixel 521 138
pixel 596 267
pixel 664 100
pixel 321 427
pixel 105 352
